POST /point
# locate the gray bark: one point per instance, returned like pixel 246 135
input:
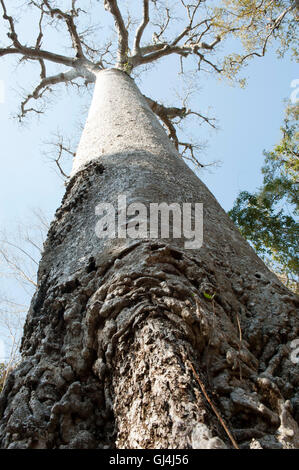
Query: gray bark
pixel 116 325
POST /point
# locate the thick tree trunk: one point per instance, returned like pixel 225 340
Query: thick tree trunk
pixel 144 343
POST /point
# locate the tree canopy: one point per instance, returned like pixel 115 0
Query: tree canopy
pixel 205 35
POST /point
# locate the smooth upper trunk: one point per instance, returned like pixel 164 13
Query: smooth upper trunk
pixel 119 122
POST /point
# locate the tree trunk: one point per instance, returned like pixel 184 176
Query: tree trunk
pixel 144 343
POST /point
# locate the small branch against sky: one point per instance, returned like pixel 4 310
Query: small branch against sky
pixel 68 18
pixel 20 251
pixel 43 87
pixel 35 52
pixel 59 149
pixel 123 36
pixel 141 27
pixel 16 259
pixel 12 316
pixel 169 115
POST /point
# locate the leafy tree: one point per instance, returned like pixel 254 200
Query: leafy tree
pixel 268 218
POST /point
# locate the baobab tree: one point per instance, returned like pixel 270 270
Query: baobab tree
pixel 141 342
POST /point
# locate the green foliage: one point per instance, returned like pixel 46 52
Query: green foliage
pixel 208 296
pixel 268 217
pixel 254 25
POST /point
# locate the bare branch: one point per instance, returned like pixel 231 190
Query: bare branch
pixel 123 36
pixel 210 121
pixel 62 148
pixel 161 110
pixel 29 52
pixel 102 61
pixel 20 249
pixel 191 15
pixel 191 35
pixel 59 148
pixel 43 222
pixel 41 34
pixel 187 146
pixel 44 86
pixel 12 35
pixel 38 46
pixel 202 58
pixel 166 114
pixel 38 54
pixel 141 27
pixel 19 271
pixel 68 19
pixel 162 26
pixel 152 48
pixel 43 69
pixel 162 50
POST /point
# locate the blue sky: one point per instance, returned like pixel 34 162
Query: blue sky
pixel 249 121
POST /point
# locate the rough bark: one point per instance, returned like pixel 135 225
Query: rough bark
pixel 121 341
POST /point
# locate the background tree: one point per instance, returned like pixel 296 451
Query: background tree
pixel 268 217
pixel 20 253
pixel 126 341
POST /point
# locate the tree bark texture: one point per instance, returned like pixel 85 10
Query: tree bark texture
pixel 143 343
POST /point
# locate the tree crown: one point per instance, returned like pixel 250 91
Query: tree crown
pixel 205 36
